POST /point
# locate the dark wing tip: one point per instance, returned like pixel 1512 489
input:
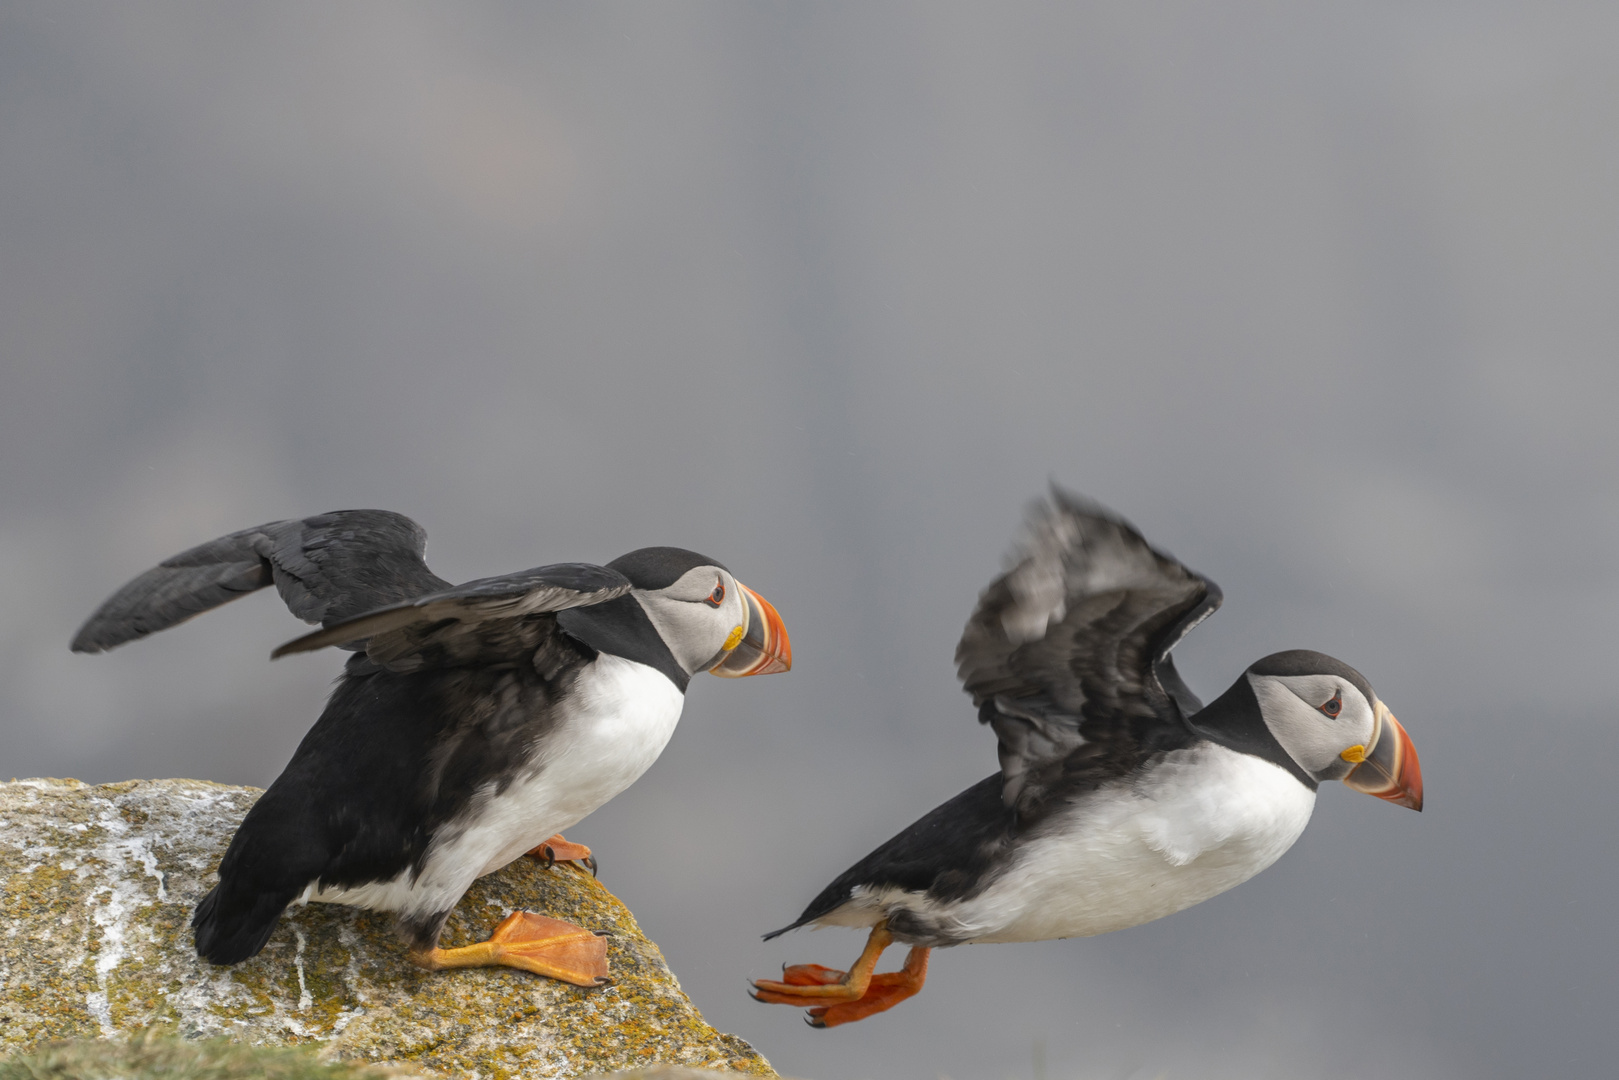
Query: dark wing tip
pixel 1080 504
pixel 1072 504
pixel 99 635
pixel 89 639
pixel 319 639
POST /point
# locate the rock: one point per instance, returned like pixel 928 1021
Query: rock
pixel 156 1055
pixel 97 885
pixel 662 1072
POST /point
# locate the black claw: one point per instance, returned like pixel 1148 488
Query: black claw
pixel 550 856
pixel 815 1022
pixel 602 933
pixel 590 864
pixel 604 980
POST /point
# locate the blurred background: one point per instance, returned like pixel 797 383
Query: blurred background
pixel 1321 296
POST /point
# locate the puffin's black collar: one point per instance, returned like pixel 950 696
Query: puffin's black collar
pixel 1233 720
pixel 621 627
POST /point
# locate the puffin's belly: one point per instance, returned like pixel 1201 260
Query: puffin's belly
pixel 619 718
pixel 1202 821
pixel 623 716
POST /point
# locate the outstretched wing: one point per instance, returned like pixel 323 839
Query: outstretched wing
pixel 327 568
pixel 488 620
pixel 1067 654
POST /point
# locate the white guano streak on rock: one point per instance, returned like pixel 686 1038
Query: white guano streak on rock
pixel 112 917
pixel 124 896
pixel 305 1001
pixel 351 979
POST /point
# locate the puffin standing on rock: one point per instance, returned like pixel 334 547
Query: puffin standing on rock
pixel 474 721
pixel 1121 798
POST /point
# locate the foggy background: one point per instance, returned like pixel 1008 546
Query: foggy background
pixel 1321 296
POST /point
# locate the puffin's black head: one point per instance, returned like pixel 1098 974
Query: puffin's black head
pixel 1325 715
pixel 708 619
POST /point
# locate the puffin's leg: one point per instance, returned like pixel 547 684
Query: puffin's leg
pixel 534 943
pixel 886 990
pixel 557 850
pixel 805 985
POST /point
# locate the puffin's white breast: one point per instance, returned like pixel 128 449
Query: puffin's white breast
pixel 612 726
pixel 1202 821
pixel 1199 822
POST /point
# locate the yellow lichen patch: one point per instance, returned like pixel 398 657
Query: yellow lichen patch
pixel 97 885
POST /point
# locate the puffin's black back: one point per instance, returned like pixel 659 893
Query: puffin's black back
pixel 391 759
pixel 946 853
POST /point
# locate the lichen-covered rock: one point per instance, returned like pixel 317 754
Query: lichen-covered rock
pixel 97 884
pixel 154 1054
pixel 661 1072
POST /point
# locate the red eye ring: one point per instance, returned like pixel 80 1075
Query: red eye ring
pixel 717 597
pixel 1335 706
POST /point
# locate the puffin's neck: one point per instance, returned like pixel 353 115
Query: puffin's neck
pixel 1233 720
pixel 621 627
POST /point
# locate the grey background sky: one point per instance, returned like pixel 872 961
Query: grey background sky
pixel 1322 296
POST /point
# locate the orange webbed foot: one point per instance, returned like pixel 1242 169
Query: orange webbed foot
pixel 558 849
pixel 836 997
pixel 537 943
pixel 884 992
pixel 812 975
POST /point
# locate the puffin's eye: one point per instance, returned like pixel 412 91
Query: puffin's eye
pixel 717 597
pixel 1335 706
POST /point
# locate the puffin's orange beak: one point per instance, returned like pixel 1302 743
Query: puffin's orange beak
pixel 1390 769
pixel 763 647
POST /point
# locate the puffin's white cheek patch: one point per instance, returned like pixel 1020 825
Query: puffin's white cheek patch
pixel 694 632
pixel 1314 740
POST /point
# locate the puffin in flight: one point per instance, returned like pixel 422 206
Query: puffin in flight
pixel 1121 798
pixel 473 722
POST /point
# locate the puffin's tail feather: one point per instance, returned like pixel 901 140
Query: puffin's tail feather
pixel 832 897
pixel 231 928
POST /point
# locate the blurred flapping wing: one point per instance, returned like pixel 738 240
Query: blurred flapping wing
pixel 1067 653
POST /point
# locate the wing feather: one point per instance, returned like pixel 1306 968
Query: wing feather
pixel 482 621
pixel 1067 653
pixel 361 574
pixel 326 568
